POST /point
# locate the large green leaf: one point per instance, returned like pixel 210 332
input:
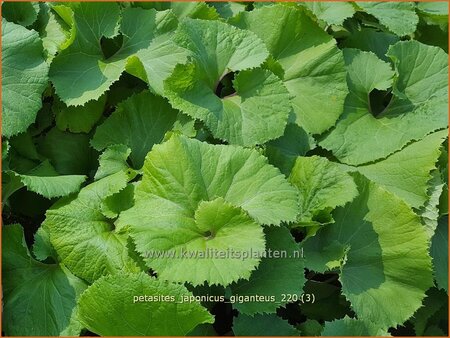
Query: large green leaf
pixel 138 122
pixel 24 77
pixel 112 160
pixel 399 17
pixel 407 172
pixel 38 299
pixel 53 30
pixel 196 196
pixel 434 13
pixel 430 211
pixel 418 107
pixel 84 238
pixel 349 327
pixel 22 13
pixel 322 186
pixel 333 13
pixel 81 72
pixel 275 276
pixel 312 66
pixel 382 250
pixel 45 181
pixel 139 305
pixel 259 109
pixel 185 9
pixel 228 9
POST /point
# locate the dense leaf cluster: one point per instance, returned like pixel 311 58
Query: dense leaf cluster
pixel 136 132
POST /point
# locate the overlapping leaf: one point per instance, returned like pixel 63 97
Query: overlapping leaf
pixel 312 66
pixel 84 238
pixel 322 186
pixel 388 13
pixel 45 181
pixel 381 249
pixel 196 197
pixel 24 78
pixel 216 141
pixel 407 172
pixel 352 327
pixel 259 108
pixel 418 105
pixel 138 122
pixel 38 298
pixel 109 307
pixel 333 13
pixel 81 72
pixel 275 276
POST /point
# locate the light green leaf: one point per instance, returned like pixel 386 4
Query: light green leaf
pixel 195 196
pixel 322 186
pixel 434 13
pixel 45 181
pixel 274 275
pixel 81 73
pixel 333 13
pixel 113 205
pixel 111 307
pixel 194 10
pixel 24 77
pixel 383 252
pixel 407 172
pixel 54 32
pixel 241 176
pixel 439 8
pixel 138 122
pixel 38 298
pixel 84 238
pixel 74 328
pixel 113 160
pixel 439 253
pixel 418 107
pixel 228 9
pixel 217 226
pixel 262 325
pixel 430 211
pixel 21 13
pixel 258 110
pixel 79 119
pixel 399 17
pixel 160 58
pixel 314 72
pixel 349 327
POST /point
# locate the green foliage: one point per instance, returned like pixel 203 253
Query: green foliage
pixel 225 168
pixel 114 297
